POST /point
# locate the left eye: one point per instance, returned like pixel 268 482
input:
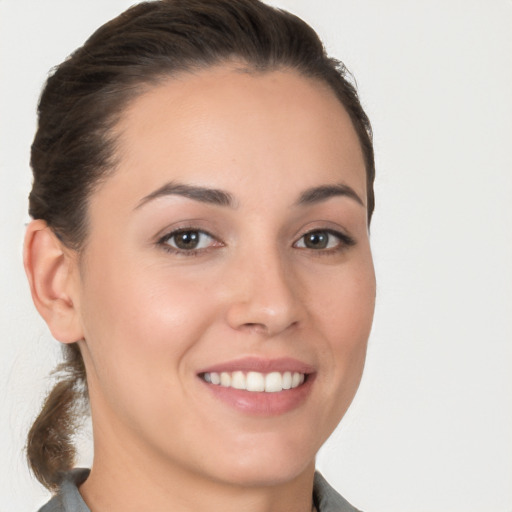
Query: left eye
pixel 321 239
pixel 188 240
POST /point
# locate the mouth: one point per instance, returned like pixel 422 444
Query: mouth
pixel 256 382
pixel 260 386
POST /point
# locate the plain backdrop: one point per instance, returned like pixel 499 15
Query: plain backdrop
pixel 431 427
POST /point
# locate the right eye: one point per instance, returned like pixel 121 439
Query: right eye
pixel 187 241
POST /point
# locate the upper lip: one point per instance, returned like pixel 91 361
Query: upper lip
pixel 262 365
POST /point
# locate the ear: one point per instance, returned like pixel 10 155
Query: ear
pixel 52 274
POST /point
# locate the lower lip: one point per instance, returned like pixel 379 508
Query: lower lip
pixel 260 403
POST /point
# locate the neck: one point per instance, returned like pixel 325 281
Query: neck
pixel 125 478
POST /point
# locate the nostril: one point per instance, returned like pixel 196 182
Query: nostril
pixel 264 329
pixel 255 326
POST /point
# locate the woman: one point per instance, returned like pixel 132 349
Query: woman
pixel 202 192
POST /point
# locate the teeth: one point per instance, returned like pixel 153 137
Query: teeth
pixel 255 381
pixel 273 382
pixel 238 380
pixel 225 379
pixel 287 380
pixel 295 379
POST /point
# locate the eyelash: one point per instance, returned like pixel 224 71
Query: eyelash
pixel 344 242
pixel 164 242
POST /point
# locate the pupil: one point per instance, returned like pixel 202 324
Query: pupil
pixel 316 240
pixel 187 240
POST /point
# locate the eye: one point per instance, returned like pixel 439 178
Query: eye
pixel 187 240
pixel 324 239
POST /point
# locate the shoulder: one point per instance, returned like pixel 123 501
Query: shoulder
pixel 68 498
pixel 327 499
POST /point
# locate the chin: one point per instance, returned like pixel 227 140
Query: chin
pixel 265 463
pixel 265 475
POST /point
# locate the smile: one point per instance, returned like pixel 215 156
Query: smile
pixel 272 382
pixel 260 386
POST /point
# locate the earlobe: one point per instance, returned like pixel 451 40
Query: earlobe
pixel 51 273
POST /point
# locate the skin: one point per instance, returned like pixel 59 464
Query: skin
pixel 149 320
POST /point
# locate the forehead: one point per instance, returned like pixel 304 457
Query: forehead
pixel 238 130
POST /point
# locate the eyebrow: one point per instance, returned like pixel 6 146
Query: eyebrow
pixel 222 198
pixel 322 193
pixel 197 193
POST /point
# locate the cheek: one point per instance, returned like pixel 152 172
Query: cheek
pixel 345 298
pixel 140 322
pixel 344 313
pixel 139 334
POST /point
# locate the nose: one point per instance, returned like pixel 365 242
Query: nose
pixel 264 295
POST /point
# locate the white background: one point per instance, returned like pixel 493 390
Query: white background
pixel 431 427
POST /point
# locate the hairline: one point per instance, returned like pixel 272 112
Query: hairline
pixel 145 85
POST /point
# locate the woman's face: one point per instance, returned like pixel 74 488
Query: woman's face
pixel 230 244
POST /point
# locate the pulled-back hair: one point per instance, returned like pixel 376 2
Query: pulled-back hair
pixel 84 97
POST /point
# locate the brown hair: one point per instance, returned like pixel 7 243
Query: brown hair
pixel 74 149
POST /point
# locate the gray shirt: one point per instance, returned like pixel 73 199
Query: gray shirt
pixel 69 499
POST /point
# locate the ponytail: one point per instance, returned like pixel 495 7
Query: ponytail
pixel 50 448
